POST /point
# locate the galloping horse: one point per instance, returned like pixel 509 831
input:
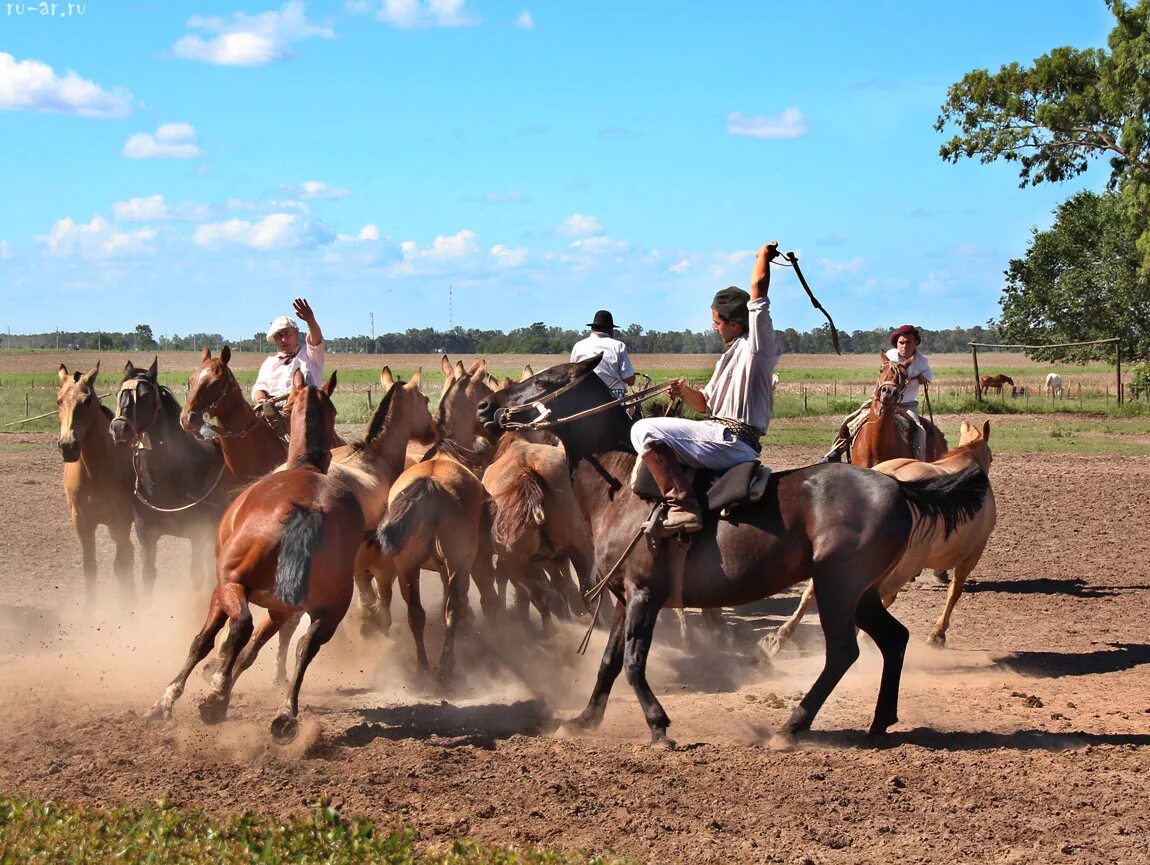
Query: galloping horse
pixel 994 383
pixel 182 483
pixel 250 446
pixel 885 434
pixel 288 544
pixel 97 478
pixel 844 526
pixel 930 547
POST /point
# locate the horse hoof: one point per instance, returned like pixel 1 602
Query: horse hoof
pixel 577 726
pixel 660 741
pixel 158 713
pixel 937 640
pixel 783 740
pixel 284 728
pixel 880 729
pixel 213 709
pixel 770 646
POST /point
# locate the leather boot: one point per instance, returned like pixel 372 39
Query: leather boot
pixel 684 514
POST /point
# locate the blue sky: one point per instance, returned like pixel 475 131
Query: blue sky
pixel 196 165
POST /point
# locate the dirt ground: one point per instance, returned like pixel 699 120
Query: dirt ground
pixel 1026 739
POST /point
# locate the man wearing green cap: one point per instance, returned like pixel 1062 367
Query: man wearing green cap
pixel 737 401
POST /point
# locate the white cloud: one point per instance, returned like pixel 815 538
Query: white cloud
pixel 249 40
pixel 507 257
pixel 681 266
pixel 5 250
pixel 368 232
pixel 524 21
pixel 314 190
pixel 275 231
pixel 411 14
pixel 789 124
pixel 153 208
pixel 29 85
pixel 98 239
pixel 579 225
pixel 600 245
pixel 854 265
pixel 169 141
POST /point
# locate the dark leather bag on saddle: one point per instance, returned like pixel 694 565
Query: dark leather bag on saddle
pixel 716 491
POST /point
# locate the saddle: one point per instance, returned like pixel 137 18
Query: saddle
pixel 715 490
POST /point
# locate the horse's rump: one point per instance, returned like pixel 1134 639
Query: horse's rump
pixel 519 505
pixel 413 507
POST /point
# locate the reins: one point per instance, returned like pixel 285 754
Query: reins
pixel 544 419
pixel 136 448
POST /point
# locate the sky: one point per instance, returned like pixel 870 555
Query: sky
pixel 195 165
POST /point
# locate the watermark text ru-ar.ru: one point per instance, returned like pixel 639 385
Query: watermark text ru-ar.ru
pixel 45 10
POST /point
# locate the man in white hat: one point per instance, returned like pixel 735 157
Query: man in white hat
pixel 276 373
pixel 615 368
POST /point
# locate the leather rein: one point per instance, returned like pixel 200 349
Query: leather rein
pixel 544 419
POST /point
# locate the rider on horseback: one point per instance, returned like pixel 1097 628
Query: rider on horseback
pixel 275 375
pixel 905 341
pixel 737 401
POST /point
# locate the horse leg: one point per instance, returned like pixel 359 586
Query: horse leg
pixel 148 538
pixel 286 632
pixel 201 646
pixel 772 643
pixel 125 562
pixel 891 637
pixel 233 598
pixel 454 604
pixel 483 575
pixel 267 629
pixel 609 667
pixel 369 614
pixel 86 532
pixel 323 625
pixel 953 593
pixel 384 573
pixel 416 617
pixel 642 612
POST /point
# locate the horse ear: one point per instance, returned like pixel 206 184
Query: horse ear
pixel 460 372
pixel 90 378
pixel 329 387
pixel 297 380
pixel 417 379
pixel 527 372
pixel 129 369
pixel 206 354
pixel 385 377
pixel 478 368
pixel 154 369
pixel 445 365
pixel 986 431
pixel 225 355
pixel 63 373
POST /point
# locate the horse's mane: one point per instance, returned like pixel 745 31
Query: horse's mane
pixel 380 418
pixel 314 421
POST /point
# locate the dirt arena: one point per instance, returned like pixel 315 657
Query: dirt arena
pixel 1027 739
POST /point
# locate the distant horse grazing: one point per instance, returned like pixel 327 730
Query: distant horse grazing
pixel 930 546
pixel 97 478
pixel 250 446
pixel 1054 385
pixel 181 483
pixel 288 544
pixel 842 525
pixel 885 433
pixel 994 383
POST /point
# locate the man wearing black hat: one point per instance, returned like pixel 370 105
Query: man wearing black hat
pixel 737 401
pixel 615 368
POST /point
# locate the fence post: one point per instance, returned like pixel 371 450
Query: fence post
pixel 26 412
pixel 369 406
pixel 977 386
pixel 1118 367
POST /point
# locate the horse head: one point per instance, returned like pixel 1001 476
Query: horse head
pixel 312 416
pixel 464 391
pixel 77 404
pixel 892 381
pixel 403 403
pixel 207 389
pixel 139 402
pixel 977 442
pixel 549 397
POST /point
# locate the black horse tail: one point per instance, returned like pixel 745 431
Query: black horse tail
pixel 302 535
pixel 520 507
pixel 954 499
pixel 407 514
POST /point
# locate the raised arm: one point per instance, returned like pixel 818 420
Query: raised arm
pixel 304 311
pixel 761 274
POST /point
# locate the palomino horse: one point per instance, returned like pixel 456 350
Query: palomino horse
pixel 885 434
pixel 288 544
pixel 97 478
pixel 250 446
pixel 437 518
pixel 994 383
pixel 842 525
pixel 930 546
pixel 182 483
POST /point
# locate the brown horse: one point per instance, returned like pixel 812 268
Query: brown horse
pixel 840 524
pixel 885 434
pixel 250 446
pixel 288 544
pixel 97 478
pixel 994 383
pixel 930 546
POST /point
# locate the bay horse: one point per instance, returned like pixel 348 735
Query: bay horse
pixel 994 383
pixel 97 478
pixel 287 543
pixel 885 433
pixel 930 546
pixel 250 446
pixel 181 482
pixel 839 524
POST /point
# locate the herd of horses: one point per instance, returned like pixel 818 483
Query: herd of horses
pixel 505 483
pixel 1052 385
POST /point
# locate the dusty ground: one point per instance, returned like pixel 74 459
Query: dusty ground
pixel 1025 740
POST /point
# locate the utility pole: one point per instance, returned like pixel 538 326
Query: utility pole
pixel 449 311
pixel 372 314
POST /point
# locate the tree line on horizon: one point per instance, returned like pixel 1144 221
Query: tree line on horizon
pixel 538 338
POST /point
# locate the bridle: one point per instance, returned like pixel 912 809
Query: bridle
pixel 895 386
pixel 230 386
pixel 131 389
pixel 544 419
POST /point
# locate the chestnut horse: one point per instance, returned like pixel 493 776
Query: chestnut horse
pixel 843 525
pixel 930 547
pixel 885 434
pixel 97 478
pixel 994 383
pixel 288 544
pixel 250 446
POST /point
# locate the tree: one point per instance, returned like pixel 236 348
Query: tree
pixel 1079 281
pixel 144 339
pixel 1070 107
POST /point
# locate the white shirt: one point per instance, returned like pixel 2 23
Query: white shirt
pixel 614 368
pixel 740 387
pixel 276 373
pixel 919 365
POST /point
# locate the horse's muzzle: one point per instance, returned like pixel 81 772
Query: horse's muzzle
pixel 191 421
pixel 121 431
pixel 69 449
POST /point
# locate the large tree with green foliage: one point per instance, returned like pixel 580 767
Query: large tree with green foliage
pixel 1079 281
pixel 1070 107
